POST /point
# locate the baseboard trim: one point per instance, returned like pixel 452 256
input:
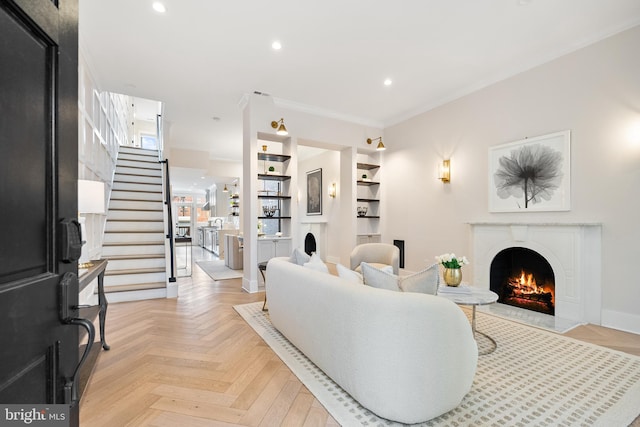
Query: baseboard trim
pixel 621 321
pixel 172 290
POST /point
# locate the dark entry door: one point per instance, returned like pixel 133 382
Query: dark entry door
pixel 38 190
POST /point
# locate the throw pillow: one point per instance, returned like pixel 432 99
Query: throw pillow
pixel 348 274
pixel 299 257
pixel 384 267
pixel 315 263
pixel 425 281
pixel 378 278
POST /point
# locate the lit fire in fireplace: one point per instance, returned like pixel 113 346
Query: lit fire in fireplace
pixel 525 287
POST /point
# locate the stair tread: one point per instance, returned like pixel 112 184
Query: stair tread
pixel 143 173
pixel 135 191
pixel 146 270
pixel 136 200
pixel 133 220
pixel 133 288
pixel 132 257
pixel 133 243
pixel 137 182
pixel 134 231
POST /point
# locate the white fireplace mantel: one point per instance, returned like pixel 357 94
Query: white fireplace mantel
pixel 572 249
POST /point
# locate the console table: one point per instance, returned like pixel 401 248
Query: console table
pixel 89 312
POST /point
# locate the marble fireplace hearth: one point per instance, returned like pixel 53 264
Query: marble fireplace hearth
pixel 572 249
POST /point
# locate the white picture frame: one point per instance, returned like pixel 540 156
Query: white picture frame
pixel 531 175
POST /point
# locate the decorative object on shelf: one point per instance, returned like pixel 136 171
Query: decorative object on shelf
pixel 452 264
pixel 332 190
pixel 314 192
pixel 272 169
pixel 264 162
pixel 364 176
pixel 282 130
pixel 444 174
pixel 532 174
pixel 269 211
pixel 362 210
pixel 380 146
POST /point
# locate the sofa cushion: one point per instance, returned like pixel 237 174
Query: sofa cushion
pixel 384 267
pixel 378 278
pixel 348 274
pixel 299 257
pixel 315 263
pixel 425 281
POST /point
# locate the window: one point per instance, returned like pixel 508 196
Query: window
pixel 148 142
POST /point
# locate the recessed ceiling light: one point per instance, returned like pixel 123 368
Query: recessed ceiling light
pixel 159 7
pixel 276 45
pixel 387 82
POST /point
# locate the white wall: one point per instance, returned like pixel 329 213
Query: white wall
pixel 329 161
pixel 594 92
pixel 102 127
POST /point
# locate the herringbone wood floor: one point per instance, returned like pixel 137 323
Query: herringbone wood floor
pixel 192 361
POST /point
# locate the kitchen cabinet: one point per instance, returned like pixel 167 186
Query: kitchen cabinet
pixel 269 247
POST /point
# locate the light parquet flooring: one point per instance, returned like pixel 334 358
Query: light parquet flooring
pixel 192 361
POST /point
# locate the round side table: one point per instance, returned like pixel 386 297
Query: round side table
pixel 468 295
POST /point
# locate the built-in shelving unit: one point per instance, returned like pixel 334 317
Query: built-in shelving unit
pixel 372 203
pixel 234 202
pixel 368 197
pixel 272 196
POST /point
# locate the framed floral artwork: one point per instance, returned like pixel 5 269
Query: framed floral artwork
pixel 533 174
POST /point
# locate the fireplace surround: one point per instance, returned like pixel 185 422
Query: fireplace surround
pixel 573 250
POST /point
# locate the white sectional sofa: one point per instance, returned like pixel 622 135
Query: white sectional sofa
pixel 407 357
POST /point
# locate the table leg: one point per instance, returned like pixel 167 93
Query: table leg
pixel 476 331
pixel 102 301
pixel 264 305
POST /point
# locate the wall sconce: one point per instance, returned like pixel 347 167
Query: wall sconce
pixel 445 171
pixel 380 146
pixel 225 189
pixel 282 130
pixel 332 190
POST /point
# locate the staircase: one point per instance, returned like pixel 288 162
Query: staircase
pixel 134 236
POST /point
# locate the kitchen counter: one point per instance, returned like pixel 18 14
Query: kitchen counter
pixel 213 238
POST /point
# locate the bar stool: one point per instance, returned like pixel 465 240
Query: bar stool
pixel 262 267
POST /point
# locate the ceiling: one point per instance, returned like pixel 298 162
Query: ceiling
pixel 201 56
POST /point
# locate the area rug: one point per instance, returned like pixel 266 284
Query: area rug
pixel 218 271
pixel 534 378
